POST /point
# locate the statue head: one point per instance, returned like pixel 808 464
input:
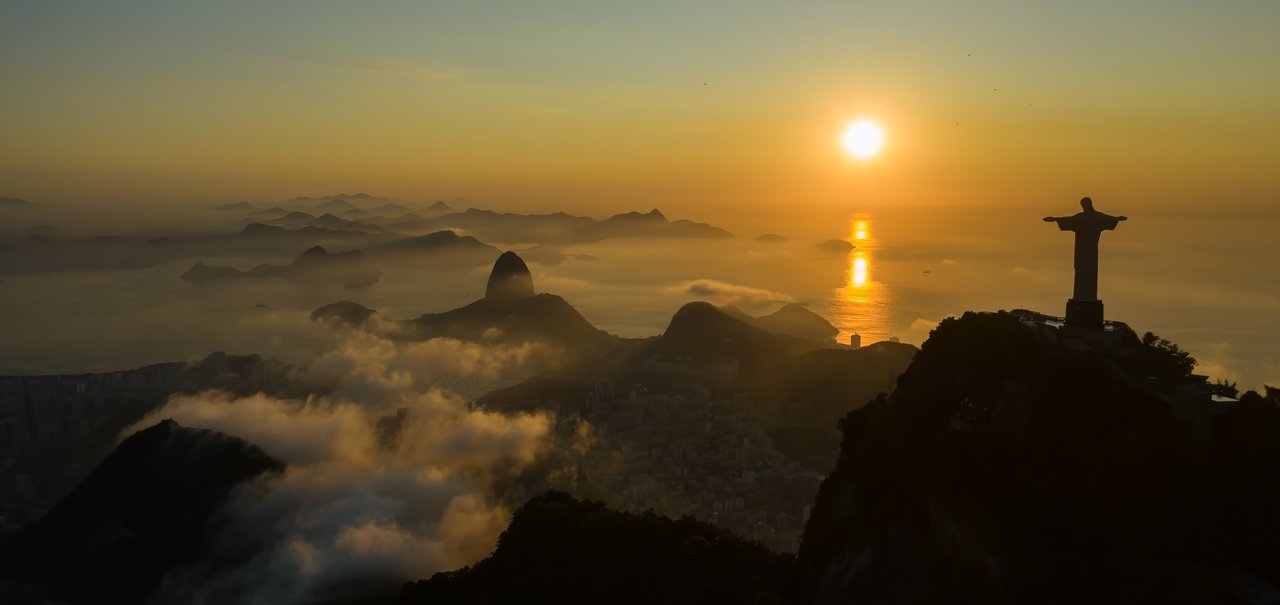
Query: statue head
pixel 1087 204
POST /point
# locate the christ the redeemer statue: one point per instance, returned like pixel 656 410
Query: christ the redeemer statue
pixel 1084 310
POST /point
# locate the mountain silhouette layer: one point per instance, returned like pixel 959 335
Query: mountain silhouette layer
pixel 791 319
pixel 314 265
pixel 562 550
pixel 1013 463
pixel 702 333
pixel 509 281
pixel 148 508
pixel 511 312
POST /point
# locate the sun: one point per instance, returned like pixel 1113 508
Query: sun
pixel 862 139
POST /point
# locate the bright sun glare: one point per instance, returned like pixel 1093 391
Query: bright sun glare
pixel 863 139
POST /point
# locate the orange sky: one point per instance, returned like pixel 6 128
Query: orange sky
pixel 694 108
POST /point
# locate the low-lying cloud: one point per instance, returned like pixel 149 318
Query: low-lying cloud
pixel 724 293
pixel 390 477
pixel 367 367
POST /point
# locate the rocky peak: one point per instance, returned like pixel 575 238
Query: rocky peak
pixel 510 280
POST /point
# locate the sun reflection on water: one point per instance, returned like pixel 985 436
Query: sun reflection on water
pixel 858 271
pixel 860 304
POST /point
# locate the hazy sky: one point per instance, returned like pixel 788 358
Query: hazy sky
pixel 611 105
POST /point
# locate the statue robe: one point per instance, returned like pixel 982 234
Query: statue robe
pixel 1088 227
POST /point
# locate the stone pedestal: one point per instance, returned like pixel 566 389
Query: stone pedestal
pixel 1086 314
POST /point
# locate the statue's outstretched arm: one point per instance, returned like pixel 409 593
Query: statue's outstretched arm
pixel 1054 219
pixel 1122 218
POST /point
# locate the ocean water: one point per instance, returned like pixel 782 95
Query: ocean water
pixel 1208 285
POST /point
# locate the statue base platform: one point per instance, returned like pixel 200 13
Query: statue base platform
pixel 1086 314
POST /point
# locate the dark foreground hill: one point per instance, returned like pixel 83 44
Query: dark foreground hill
pixel 562 550
pixel 805 396
pixel 69 423
pixel 148 508
pixel 1015 464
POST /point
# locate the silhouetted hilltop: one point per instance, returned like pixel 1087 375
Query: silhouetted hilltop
pixel 796 320
pixel 560 227
pixel 1018 463
pixel 331 221
pixel 295 218
pixel 510 312
pixel 315 265
pixel 343 312
pixel 260 229
pixel 335 205
pixel 275 211
pixel 835 246
pixel 542 317
pixel 312 234
pixel 147 509
pixel 117 252
pixel 13 202
pixel 342 201
pixel 771 238
pixel 509 281
pixel 507 227
pixel 357 214
pixel 701 333
pixel 791 319
pixel 327 219
pixel 633 223
pixel 562 550
pixel 402 222
pixel 442 248
pixel 203 272
pixel 653 223
pixel 348 222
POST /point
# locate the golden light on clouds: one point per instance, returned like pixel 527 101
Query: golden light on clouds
pixel 862 139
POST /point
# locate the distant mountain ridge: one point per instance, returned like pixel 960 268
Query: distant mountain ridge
pixel 13 202
pixel 314 265
pixel 792 319
pixel 561 227
pixel 442 249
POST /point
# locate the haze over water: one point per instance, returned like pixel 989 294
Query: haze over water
pixel 1188 278
pixel 508 219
